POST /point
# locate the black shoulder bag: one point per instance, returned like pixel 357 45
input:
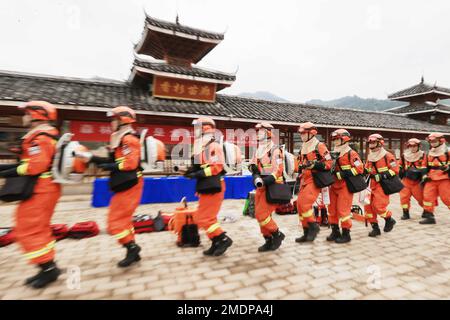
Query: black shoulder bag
pixel 278 193
pixel 390 184
pixel 412 173
pixel 209 185
pixel 356 183
pixel 22 187
pixel 123 180
pixel 324 178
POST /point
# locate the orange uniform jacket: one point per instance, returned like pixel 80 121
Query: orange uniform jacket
pixel 325 158
pixel 431 162
pixel 412 188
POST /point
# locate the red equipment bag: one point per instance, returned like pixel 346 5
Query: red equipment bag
pixel 60 231
pixel 83 230
pixel 6 236
pixel 143 223
pixel 285 209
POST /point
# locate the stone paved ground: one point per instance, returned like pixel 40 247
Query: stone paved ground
pixel 412 262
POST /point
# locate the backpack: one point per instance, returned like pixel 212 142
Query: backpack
pixel 289 163
pixel 182 224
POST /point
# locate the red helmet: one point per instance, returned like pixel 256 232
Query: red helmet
pixel 308 127
pixel 40 110
pixel 413 142
pixel 436 136
pixel 205 121
pixel 342 134
pixel 124 114
pixel 376 138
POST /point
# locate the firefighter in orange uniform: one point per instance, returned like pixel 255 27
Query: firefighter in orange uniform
pixel 348 163
pixel 379 161
pixel 436 180
pixel 33 216
pixel 208 169
pixel 267 168
pixel 124 165
pixel 314 156
pixel 411 170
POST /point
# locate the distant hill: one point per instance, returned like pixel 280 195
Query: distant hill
pixel 263 95
pixel 355 102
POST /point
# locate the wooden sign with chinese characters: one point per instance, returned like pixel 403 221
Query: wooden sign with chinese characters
pixel 180 89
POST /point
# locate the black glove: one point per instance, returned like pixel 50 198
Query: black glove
pixel 196 174
pixel 109 166
pixel 10 173
pixel 268 180
pixel 253 168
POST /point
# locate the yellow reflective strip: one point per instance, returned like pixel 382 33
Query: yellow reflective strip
pixel 405 206
pixel 38 253
pixel 369 215
pixel 121 165
pixel 120 159
pixel 428 204
pixel 267 165
pixel 346 218
pixel 203 166
pixel 122 234
pixel 346 167
pixel 208 172
pixel 354 171
pixel 266 221
pixel 392 173
pixel 383 169
pixel 307 214
pixel 45 175
pixel 384 214
pixel 139 174
pixel 22 169
pixel 213 228
pixel 338 174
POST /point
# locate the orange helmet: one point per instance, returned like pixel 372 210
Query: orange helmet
pixel 40 110
pixel 342 134
pixel 308 127
pixel 205 121
pixel 376 138
pixel 124 114
pixel 436 136
pixel 413 142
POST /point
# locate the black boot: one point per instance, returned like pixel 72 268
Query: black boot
pixel 428 218
pixel 324 217
pixel 222 243
pixel 405 214
pixel 303 237
pixel 48 274
pixel 313 231
pixel 375 230
pixel 266 246
pixel 132 255
pixel 389 225
pixel 345 237
pixel 277 239
pixel 335 233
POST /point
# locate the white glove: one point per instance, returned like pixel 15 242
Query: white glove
pixel 86 156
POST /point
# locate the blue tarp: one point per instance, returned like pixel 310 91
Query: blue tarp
pixel 172 189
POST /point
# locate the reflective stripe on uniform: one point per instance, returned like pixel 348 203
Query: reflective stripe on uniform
pixel 307 214
pixel 122 234
pixel 383 169
pixel 384 214
pixel 213 228
pixel 428 204
pixel 354 171
pixel 346 218
pixel 208 171
pixel 266 221
pixel 39 253
pixel 369 215
pixel 46 175
pixel 346 167
pixel 338 175
pixel 23 167
pixel 405 206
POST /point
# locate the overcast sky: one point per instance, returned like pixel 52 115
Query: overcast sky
pixel 298 50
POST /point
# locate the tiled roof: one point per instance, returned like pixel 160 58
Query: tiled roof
pixel 425 107
pixel 418 89
pixel 194 71
pixel 184 29
pixel 18 87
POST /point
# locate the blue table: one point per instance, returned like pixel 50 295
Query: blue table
pixel 172 189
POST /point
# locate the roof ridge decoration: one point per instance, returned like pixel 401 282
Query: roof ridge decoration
pixel 422 88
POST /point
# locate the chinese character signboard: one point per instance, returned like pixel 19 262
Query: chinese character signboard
pixel 180 89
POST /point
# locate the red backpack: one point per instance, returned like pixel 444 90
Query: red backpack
pixel 83 230
pixel 60 231
pixel 6 236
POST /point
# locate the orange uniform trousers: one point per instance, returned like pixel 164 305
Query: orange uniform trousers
pixel 306 197
pixel 434 189
pixel 208 209
pixel 120 217
pixel 33 232
pixel 263 212
pixel 341 201
pixel 412 188
pixel 378 204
